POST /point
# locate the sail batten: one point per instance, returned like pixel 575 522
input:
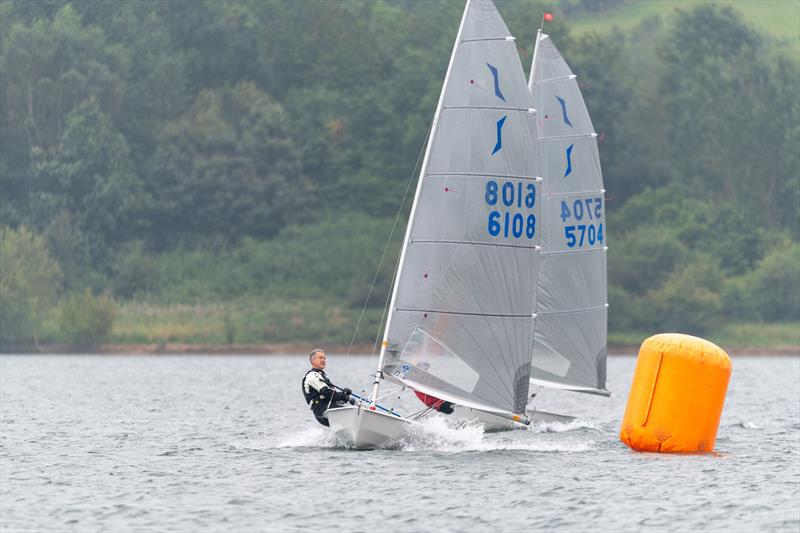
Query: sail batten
pixel 473 243
pixel 562 137
pixel 482 174
pixel 440 311
pixel 573 310
pixel 506 38
pixel 497 108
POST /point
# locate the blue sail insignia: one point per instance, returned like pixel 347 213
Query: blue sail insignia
pixel 569 160
pixel 564 110
pixel 499 144
pixel 496 82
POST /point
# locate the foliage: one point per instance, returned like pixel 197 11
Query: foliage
pixel 228 153
pixel 90 175
pixel 774 287
pixel 134 273
pixel 86 320
pixel 29 284
pixel 226 169
pixel 690 300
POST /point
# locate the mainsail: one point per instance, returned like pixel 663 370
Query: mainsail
pixel 570 339
pixel 461 319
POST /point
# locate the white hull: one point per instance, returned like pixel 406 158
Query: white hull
pixel 361 428
pixel 492 422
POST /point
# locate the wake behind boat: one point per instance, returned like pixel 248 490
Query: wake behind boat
pixel 471 282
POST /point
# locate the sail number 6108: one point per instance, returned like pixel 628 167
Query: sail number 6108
pixel 515 195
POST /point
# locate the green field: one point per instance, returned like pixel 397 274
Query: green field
pixel 778 18
pixel 321 323
pixel 751 335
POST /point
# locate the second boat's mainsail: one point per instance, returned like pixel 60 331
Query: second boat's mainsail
pixel 461 319
pixel 570 338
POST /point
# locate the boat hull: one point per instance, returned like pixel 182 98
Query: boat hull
pixel 364 429
pixel 492 422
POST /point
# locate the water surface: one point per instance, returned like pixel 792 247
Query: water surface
pixel 211 443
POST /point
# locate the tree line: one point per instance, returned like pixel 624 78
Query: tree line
pixel 180 152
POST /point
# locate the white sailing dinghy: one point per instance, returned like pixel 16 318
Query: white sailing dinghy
pixel 460 324
pixel 502 281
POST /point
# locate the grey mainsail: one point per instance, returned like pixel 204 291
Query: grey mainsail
pixel 571 326
pixel 461 319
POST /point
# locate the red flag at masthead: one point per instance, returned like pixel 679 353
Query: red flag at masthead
pixel 548 17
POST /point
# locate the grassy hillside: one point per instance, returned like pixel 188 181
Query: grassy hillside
pixel 777 18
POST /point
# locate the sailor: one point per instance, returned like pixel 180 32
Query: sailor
pixel 320 393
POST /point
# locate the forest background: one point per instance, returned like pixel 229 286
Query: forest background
pixel 220 173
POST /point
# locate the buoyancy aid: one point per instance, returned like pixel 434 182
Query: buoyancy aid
pixel 319 391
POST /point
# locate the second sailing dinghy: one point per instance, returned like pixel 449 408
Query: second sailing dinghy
pixel 570 338
pixel 461 318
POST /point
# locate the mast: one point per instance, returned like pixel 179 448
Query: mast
pixel 423 169
pixel 533 60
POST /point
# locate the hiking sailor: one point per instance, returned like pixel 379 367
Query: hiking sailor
pixel 320 393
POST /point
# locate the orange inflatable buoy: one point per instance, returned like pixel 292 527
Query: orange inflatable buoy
pixel 677 395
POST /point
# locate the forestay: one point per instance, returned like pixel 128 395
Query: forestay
pixel 462 313
pixel 570 339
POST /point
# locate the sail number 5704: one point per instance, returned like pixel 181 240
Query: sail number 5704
pixel 588 228
pixel 513 199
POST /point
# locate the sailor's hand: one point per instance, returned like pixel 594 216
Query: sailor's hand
pixel 352 401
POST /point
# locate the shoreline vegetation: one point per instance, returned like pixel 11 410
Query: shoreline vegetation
pixel 174 181
pixel 301 348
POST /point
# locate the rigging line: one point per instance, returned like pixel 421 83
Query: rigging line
pixel 386 247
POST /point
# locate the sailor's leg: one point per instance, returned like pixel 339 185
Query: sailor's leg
pixel 322 420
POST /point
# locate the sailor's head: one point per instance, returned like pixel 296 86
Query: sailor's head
pixel 317 358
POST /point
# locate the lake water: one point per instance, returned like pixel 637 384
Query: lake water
pixel 226 443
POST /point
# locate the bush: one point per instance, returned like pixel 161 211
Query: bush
pixel 775 287
pixel 690 300
pixel 623 310
pixel 29 284
pixel 643 259
pixel 86 320
pixel 134 272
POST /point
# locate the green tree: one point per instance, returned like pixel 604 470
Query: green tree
pixel 49 68
pixel 69 247
pixel 226 170
pixel 690 300
pixel 86 320
pixel 774 287
pixel 90 175
pixel 642 260
pixel 29 284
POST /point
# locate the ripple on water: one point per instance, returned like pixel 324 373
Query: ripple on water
pixel 216 443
